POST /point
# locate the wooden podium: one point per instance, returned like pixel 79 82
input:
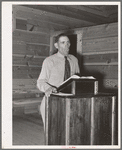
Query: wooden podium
pixel 85 119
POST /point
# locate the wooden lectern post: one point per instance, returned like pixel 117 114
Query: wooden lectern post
pixel 80 120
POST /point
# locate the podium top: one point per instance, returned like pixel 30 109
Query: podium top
pixel 67 95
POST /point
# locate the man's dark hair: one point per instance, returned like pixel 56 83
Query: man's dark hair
pixel 58 36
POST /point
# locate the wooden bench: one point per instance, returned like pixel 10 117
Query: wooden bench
pixel 26 97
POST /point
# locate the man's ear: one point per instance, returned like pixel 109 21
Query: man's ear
pixel 56 45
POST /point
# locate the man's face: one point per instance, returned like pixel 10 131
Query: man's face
pixel 63 45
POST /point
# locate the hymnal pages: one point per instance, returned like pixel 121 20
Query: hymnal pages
pixel 77 77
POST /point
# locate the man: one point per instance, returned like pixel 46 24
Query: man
pixel 53 69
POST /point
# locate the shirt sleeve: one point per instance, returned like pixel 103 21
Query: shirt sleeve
pixel 42 82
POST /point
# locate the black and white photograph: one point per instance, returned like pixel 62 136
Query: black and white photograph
pixel 61 85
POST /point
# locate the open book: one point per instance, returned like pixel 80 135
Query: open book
pixel 74 77
pixel 77 77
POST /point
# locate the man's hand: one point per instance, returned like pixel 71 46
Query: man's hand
pixel 50 90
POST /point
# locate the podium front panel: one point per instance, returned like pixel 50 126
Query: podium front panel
pixel 56 120
pixel 80 120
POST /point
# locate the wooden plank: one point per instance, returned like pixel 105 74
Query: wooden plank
pixel 98 53
pixel 24 83
pixel 102 64
pixel 24 95
pixel 34 71
pixel 100 31
pixel 27 101
pixel 92 122
pixel 100 58
pixel 27 60
pixel 39 50
pixel 102 119
pixel 102 72
pixel 20 72
pixel 71 12
pixel 19 60
pixel 19 47
pixel 26 72
pixel 56 131
pixel 52 128
pixel 102 44
pixel 38 29
pixel 46 24
pixel 31 37
pixel 88 9
pixel 67 124
pixel 29 13
pixel 35 61
pixel 80 120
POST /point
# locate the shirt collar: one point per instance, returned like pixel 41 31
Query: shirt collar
pixel 60 55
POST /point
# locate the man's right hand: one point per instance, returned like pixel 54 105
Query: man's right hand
pixel 50 90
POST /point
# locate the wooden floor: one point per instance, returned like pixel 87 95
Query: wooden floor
pixel 28 130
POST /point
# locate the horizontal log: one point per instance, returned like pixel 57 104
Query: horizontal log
pixel 19 65
pixel 25 72
pixel 19 47
pixel 38 25
pixel 31 37
pixel 24 48
pixel 36 61
pixel 46 25
pixel 101 58
pixel 102 44
pixel 106 30
pixel 24 84
pixel 24 24
pixel 24 102
pixel 34 71
pixel 98 53
pixel 39 50
pixel 19 60
pixel 102 64
pixel 37 29
pixel 26 106
pixel 18 96
pixel 29 56
pixel 25 60
pixel 101 72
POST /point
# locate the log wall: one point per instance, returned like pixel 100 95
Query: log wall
pixel 97 52
pixel 31 45
pixel 100 54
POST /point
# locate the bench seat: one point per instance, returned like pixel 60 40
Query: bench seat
pixel 26 101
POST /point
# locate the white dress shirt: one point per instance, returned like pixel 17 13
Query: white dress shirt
pixel 53 70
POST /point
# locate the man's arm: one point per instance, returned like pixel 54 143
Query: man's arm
pixel 42 82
